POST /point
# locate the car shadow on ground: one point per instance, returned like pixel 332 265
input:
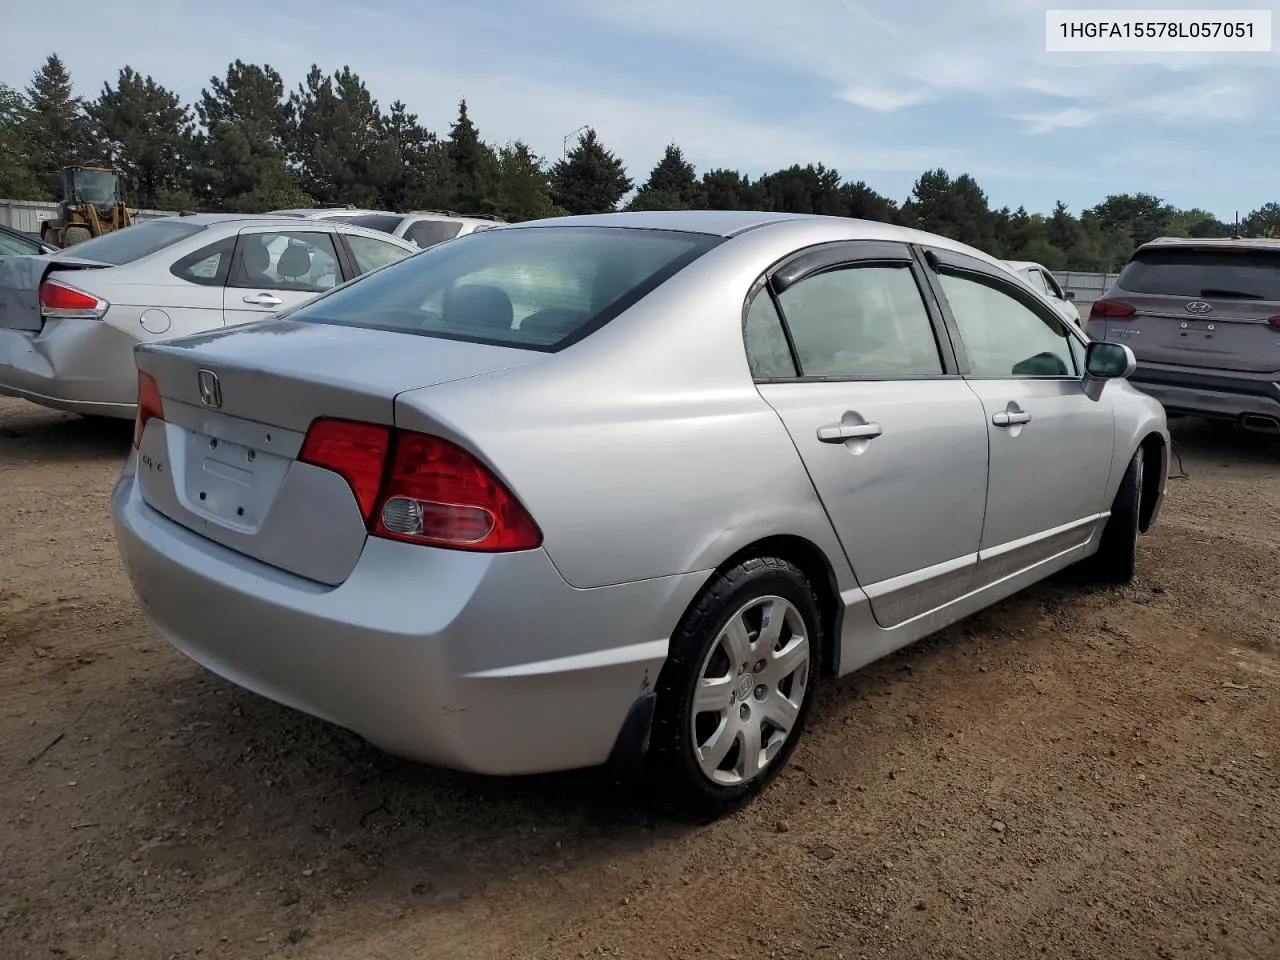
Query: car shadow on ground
pixel 296 793
pixel 33 433
pixel 1224 443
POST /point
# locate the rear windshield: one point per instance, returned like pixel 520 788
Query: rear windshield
pixel 134 243
pixel 1227 274
pixel 386 222
pixel 538 287
pixel 427 233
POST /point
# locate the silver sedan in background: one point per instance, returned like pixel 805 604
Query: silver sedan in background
pixel 625 487
pixel 69 321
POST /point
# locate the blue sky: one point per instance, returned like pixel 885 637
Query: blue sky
pixel 879 89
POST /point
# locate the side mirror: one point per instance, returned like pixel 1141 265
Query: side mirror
pixel 1109 361
pixel 1068 295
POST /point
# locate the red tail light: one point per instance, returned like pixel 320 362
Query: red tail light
pixel 1109 310
pixel 1273 323
pixel 356 451
pixel 59 300
pixel 149 405
pixel 437 493
pixel 421 489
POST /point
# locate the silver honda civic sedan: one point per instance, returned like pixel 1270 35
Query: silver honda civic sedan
pixel 625 488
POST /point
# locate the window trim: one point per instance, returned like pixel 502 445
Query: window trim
pixel 822 258
pixel 939 261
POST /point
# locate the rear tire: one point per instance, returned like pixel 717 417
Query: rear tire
pixel 1116 559
pixel 74 235
pixel 737 688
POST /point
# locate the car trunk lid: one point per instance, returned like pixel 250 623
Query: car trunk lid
pixel 237 403
pixel 20 280
pixel 1199 307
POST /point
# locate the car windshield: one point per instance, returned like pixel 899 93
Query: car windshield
pixel 1226 274
pixel 540 288
pixel 95 186
pixel 134 243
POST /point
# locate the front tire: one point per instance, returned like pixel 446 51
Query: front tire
pixel 737 688
pixel 1116 559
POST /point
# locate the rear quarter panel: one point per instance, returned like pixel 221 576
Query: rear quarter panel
pixel 645 450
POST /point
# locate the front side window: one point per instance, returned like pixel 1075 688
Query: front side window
pixel 370 254
pixel 300 260
pixel 1002 336
pixel 537 287
pixel 861 321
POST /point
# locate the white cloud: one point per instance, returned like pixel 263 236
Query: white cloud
pixel 882 99
pixel 1068 118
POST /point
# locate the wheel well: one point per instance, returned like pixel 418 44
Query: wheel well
pixel 1153 453
pixel 813 564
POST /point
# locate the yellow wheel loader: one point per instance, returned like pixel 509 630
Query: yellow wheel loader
pixel 92 205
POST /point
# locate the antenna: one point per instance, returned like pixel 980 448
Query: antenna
pixel 1235 234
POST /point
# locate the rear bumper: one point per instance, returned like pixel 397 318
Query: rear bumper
pixel 82 366
pixel 1210 393
pixel 487 663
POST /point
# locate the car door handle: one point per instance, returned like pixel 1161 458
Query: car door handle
pixel 263 300
pixel 840 432
pixel 1006 419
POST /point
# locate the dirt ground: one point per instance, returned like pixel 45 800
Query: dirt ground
pixel 1075 773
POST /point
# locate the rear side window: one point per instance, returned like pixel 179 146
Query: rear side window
pixel 134 243
pixel 428 233
pixel 539 287
pixel 1227 274
pixel 767 352
pixel 861 321
pixel 208 266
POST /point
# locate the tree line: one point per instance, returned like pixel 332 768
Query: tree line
pixel 248 144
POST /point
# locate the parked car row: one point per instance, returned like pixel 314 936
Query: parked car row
pixel 625 488
pixel 69 321
pixel 424 228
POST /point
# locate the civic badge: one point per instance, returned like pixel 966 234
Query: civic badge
pixel 210 389
pixel 1198 307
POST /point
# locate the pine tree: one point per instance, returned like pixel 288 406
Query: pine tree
pixel 672 185
pixel 246 121
pixel 590 179
pixel 472 163
pixel 146 131
pixel 58 132
pixel 16 178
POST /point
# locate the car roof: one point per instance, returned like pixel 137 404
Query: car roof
pixel 1213 243
pixel 731 223
pixel 276 220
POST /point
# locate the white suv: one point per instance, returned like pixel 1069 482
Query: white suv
pixel 425 228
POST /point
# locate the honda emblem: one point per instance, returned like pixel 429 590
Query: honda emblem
pixel 210 389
